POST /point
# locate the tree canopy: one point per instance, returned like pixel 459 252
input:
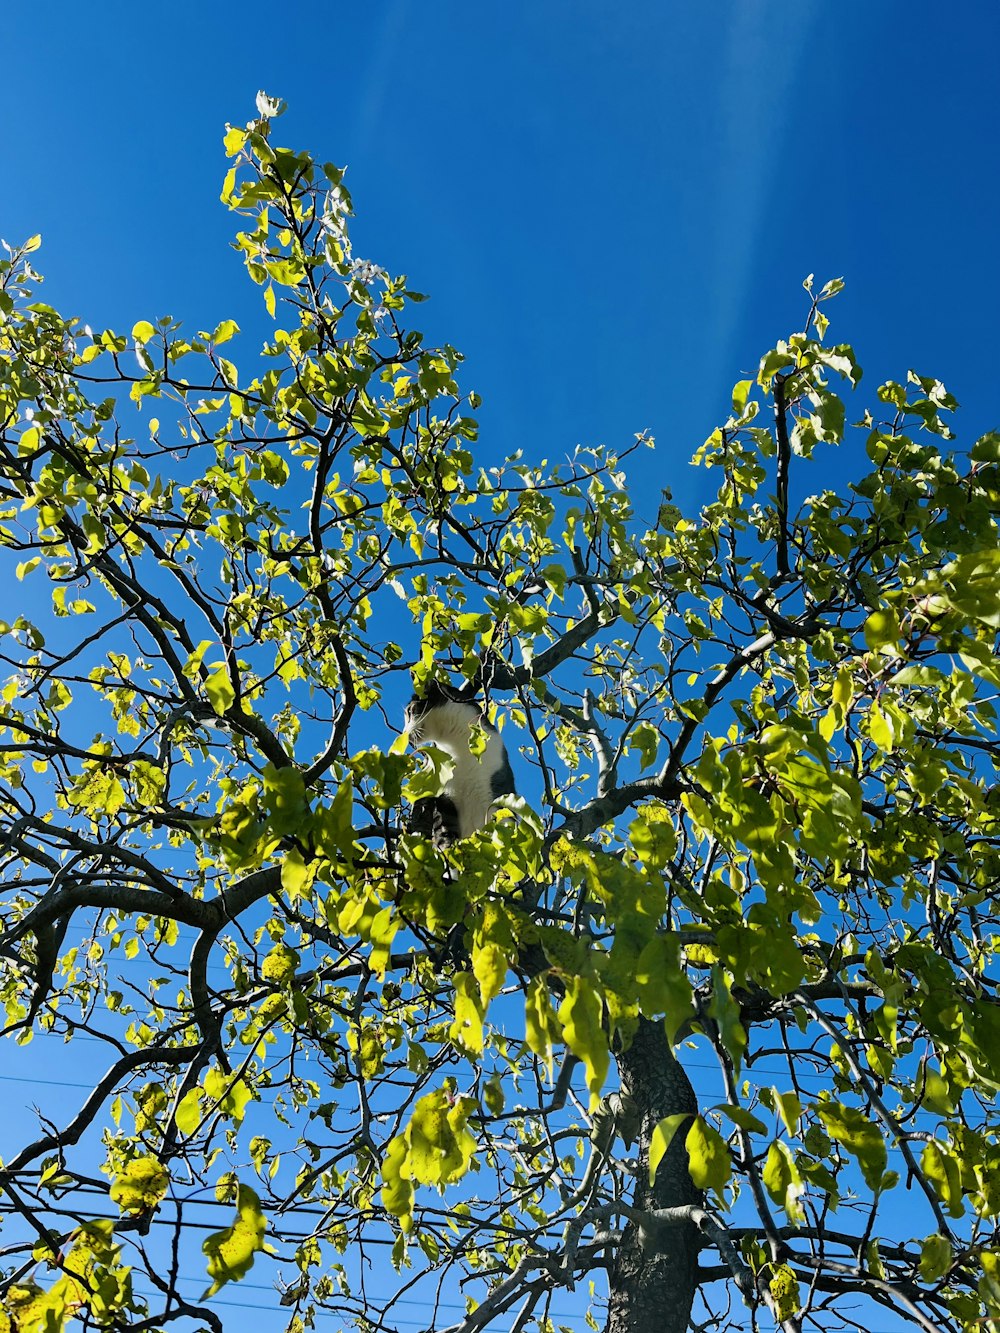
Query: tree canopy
pixel 758 826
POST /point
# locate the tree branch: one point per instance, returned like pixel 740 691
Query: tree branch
pixel 159 1055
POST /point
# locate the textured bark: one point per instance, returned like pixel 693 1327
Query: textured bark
pixel 652 1289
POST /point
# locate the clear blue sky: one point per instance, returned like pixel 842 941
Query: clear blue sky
pixel 612 207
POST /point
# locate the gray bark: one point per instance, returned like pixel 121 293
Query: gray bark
pixel 652 1285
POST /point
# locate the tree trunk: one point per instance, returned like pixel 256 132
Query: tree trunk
pixel 652 1290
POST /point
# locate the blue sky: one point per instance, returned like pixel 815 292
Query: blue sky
pixel 612 207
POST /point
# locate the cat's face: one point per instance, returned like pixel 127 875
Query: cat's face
pixel 436 696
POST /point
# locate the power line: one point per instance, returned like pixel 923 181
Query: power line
pixel 397 1323
pixel 404 1323
pixel 402 1300
pixel 43 1082
pixel 765 1072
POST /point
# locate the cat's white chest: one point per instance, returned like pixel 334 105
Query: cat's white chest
pixel 475 780
pixel 470 789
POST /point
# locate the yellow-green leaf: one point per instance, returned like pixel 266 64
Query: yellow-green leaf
pixel 789 1108
pixel 540 1023
pixel 440 1146
pixel 489 964
pixel 280 965
pixel 662 987
pixel 783 1180
pixel 580 1016
pixel 234 140
pixel 219 689
pixel 944 1171
pixel 935 1258
pixel 466 1030
pixel 882 631
pixel 708 1156
pixel 141 1185
pixel 231 1252
pixel 880 729
pixel 188 1116
pixel 663 1136
pixel 861 1137
pixel 297 875
pixel 784 1288
pixel 397 1183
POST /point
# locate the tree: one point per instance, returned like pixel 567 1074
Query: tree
pixel 757 749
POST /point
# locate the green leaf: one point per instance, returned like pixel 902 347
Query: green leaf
pixel 280 965
pixel 231 1252
pixel 97 791
pixel 935 1258
pixel 580 1016
pixel 784 1288
pixel 790 1109
pixel 297 875
pixel 493 1095
pixel 220 692
pixel 224 332
pixel 882 631
pixel 653 836
pixel 285 798
pixel 740 394
pixel 646 740
pixel 829 416
pixel 193 664
pixel 662 986
pixel 541 1025
pixel 489 964
pixel 33 1310
pixel 226 1094
pixel 234 140
pixel 466 1030
pixel 662 1137
pixel 440 1145
pixel 141 1185
pixel 188 1116
pixel 943 1169
pixel 726 1012
pixel 973 586
pixel 740 1116
pixel 880 730
pixel 783 1180
pixel 772 362
pixel 397 1182
pixel 709 1161
pixel 861 1137
pixel 228 193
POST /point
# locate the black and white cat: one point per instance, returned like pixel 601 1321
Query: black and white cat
pixel 445 716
